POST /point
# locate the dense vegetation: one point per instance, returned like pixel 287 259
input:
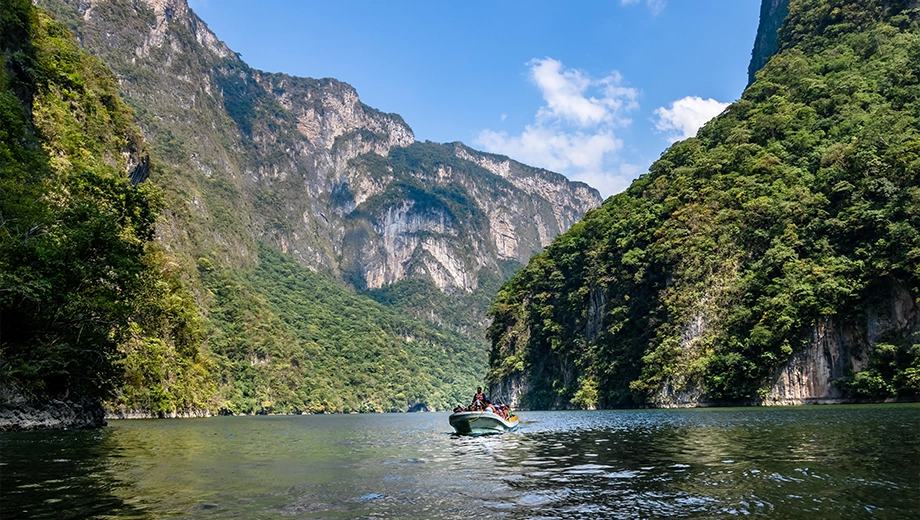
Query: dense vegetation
pixel 86 296
pixel 799 206
pixel 289 340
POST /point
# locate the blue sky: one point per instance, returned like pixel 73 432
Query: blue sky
pixel 596 90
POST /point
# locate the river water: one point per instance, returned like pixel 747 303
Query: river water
pixel 800 462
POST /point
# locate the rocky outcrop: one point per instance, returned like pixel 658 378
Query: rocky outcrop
pixel 325 110
pixel 772 14
pixel 420 407
pixel 437 214
pixel 511 391
pixel 123 413
pixel 18 412
pixel 682 390
pixel 835 349
pixel 809 376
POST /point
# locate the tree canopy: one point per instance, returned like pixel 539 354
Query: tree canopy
pixel 799 205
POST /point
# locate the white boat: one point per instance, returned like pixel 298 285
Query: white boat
pixel 478 423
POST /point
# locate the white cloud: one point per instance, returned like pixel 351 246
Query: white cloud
pixel 656 6
pixel 553 149
pixel 609 183
pixel 564 92
pixel 686 116
pixel 573 133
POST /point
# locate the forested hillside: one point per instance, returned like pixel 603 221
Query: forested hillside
pixel 787 229
pixel 288 340
pixel 86 294
pixel 301 164
pixel 92 306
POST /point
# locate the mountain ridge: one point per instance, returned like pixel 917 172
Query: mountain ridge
pixel 295 128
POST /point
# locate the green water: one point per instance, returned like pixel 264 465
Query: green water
pixel 805 462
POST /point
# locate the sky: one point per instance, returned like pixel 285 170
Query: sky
pixel 595 90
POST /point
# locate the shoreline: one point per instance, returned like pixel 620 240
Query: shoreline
pixel 20 413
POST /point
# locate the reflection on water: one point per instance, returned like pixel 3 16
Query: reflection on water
pixel 816 462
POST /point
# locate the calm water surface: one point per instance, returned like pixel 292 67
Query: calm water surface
pixel 814 462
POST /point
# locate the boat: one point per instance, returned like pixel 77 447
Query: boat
pixel 479 423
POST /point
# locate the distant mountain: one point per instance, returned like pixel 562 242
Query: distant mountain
pixel 303 165
pixel 253 162
pixel 771 259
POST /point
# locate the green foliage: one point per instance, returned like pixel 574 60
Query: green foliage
pixel 894 370
pixel 233 164
pixel 462 312
pixel 285 339
pixel 78 270
pixel 162 368
pixel 792 208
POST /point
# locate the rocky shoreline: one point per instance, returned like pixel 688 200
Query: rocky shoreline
pixel 18 412
pixel 123 413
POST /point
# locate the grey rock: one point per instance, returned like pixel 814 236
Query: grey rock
pixel 18 412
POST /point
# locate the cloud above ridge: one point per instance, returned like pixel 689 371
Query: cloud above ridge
pixel 574 131
pixel 686 116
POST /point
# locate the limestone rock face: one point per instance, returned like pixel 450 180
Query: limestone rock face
pixel 772 14
pixel 833 350
pixel 510 391
pixel 836 347
pixel 248 156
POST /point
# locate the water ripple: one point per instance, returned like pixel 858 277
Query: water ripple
pixel 715 463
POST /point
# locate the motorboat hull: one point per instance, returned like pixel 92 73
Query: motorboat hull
pixel 479 423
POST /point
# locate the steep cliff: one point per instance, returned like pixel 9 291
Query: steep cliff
pixel 257 156
pixel 771 259
pixel 772 14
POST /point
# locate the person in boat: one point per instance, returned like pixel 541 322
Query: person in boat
pixel 502 410
pixel 478 399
